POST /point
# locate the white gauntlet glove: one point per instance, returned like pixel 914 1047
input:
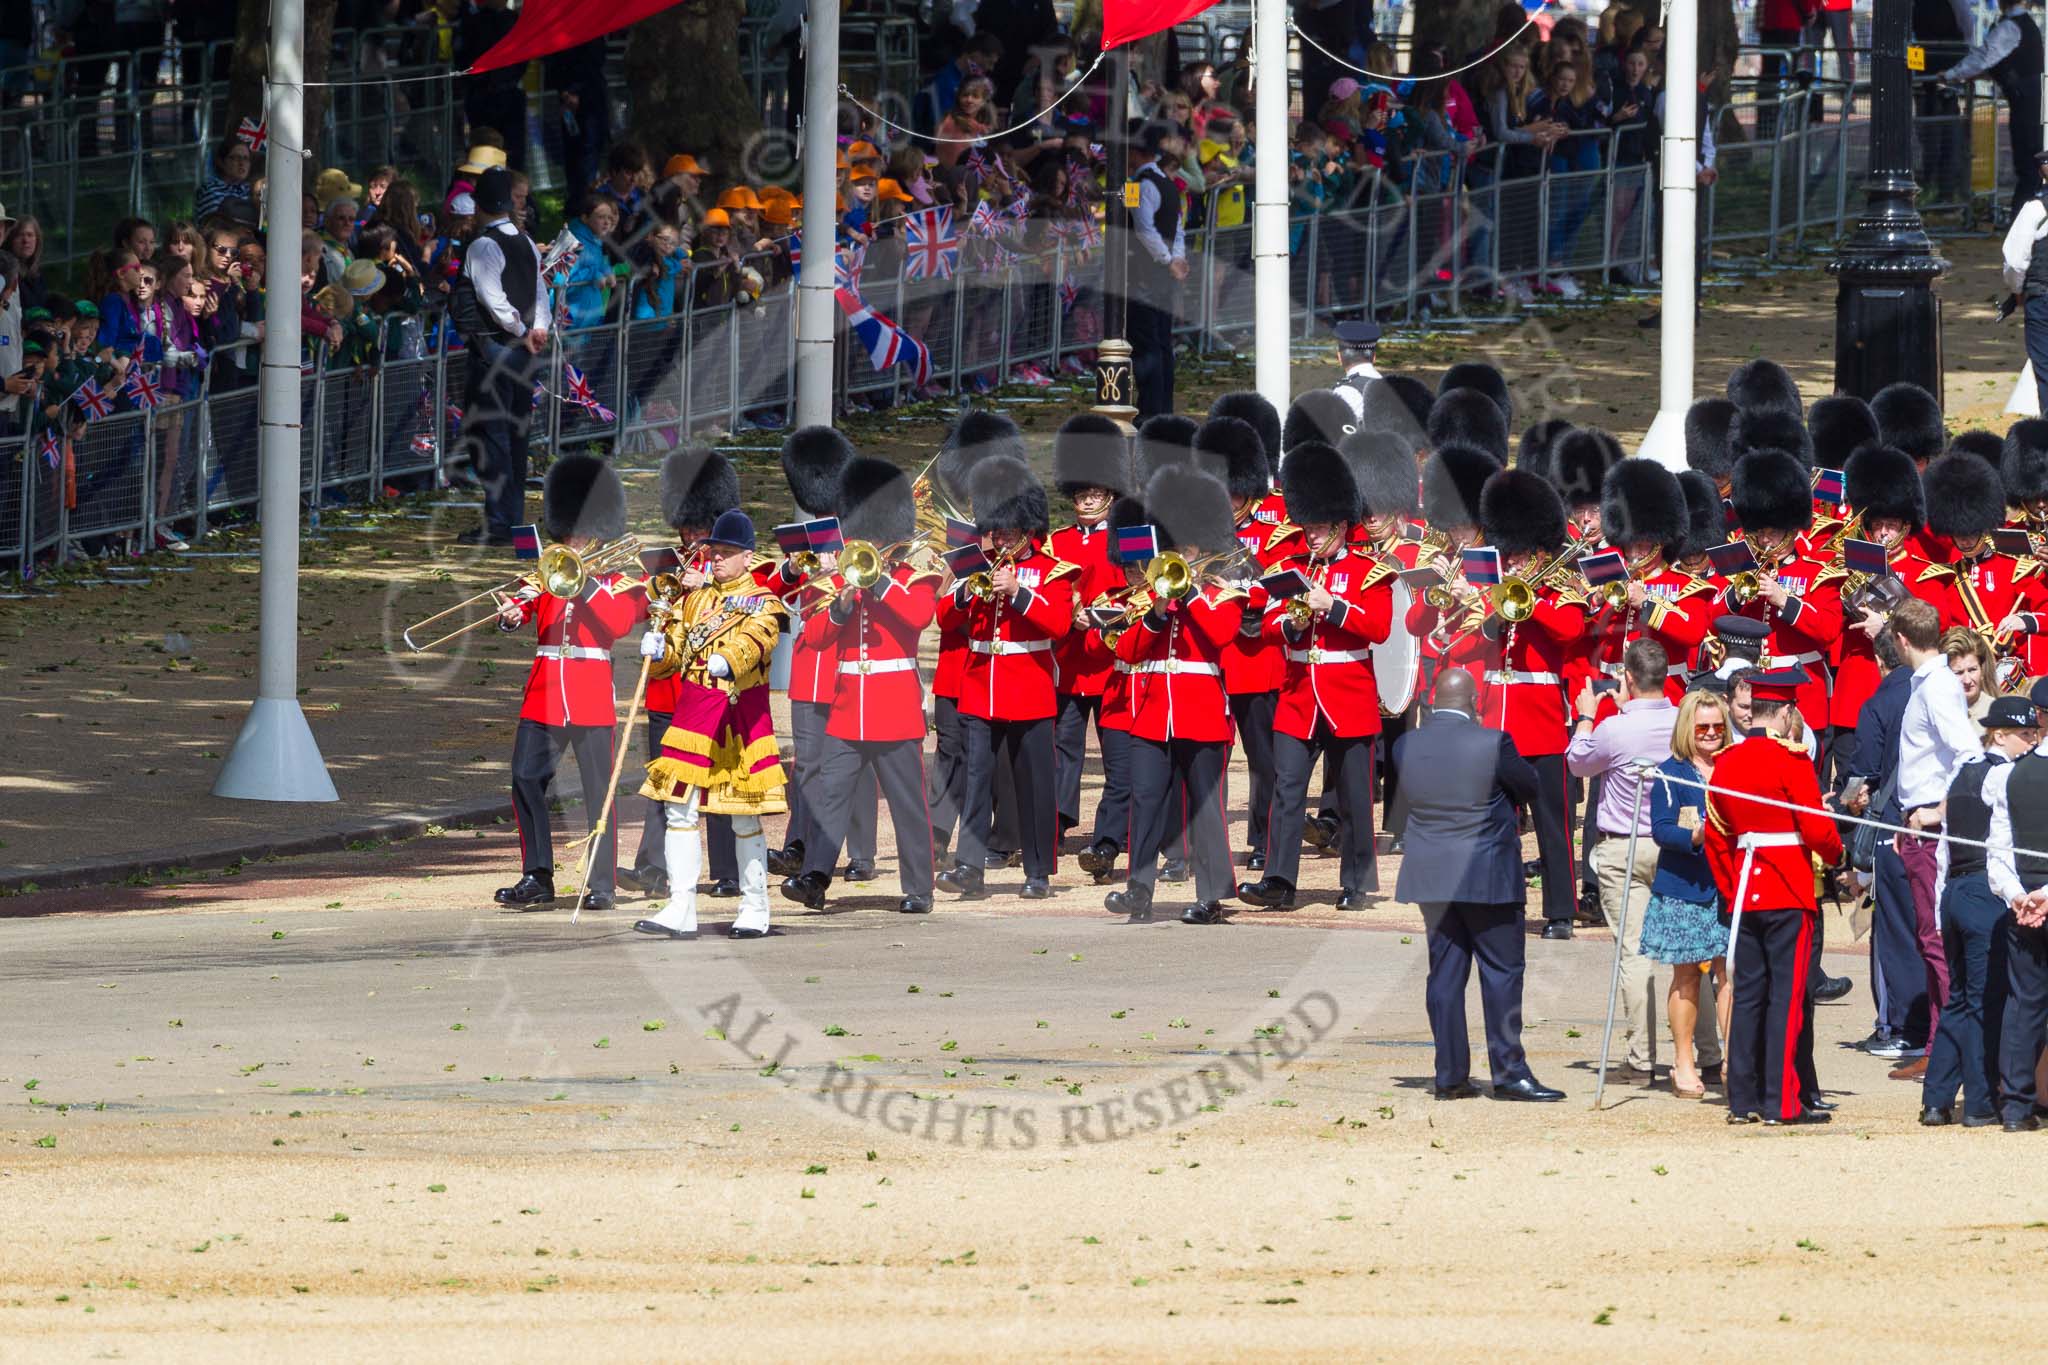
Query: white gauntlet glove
pixel 653 645
pixel 717 667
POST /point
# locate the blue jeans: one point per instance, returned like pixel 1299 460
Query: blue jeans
pixel 1965 1050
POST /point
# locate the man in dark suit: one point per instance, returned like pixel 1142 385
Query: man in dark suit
pixel 1460 785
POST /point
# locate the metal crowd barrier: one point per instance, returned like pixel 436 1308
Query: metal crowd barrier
pixel 1442 242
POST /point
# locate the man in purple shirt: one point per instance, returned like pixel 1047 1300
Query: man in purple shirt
pixel 1618 750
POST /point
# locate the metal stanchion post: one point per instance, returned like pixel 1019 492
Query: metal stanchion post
pixel 1628 885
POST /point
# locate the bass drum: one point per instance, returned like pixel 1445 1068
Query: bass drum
pixel 1397 660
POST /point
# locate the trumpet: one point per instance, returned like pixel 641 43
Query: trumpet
pixel 1175 577
pixel 1299 614
pixel 1744 587
pixel 1613 596
pixel 1513 599
pixel 562 572
pixel 982 582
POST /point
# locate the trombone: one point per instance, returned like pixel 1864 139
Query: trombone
pixel 1513 599
pixel 862 564
pixel 562 572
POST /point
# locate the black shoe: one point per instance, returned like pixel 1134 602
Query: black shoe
pixel 1748 1116
pixel 807 890
pixel 1133 901
pixel 1036 889
pixel 724 889
pixel 1979 1120
pixel 1529 1090
pixel 963 881
pixel 1559 929
pixel 1812 1115
pixel 1268 893
pixel 1587 911
pixel 1175 870
pixel 738 932
pixel 1357 900
pixel 1532 870
pixel 995 862
pixel 1832 988
pixel 630 877
pixel 596 900
pixel 1320 833
pixel 1399 845
pixel 1099 857
pixel 1818 1103
pixel 1931 1117
pixel 1204 912
pixel 914 905
pixel 1464 1090
pixel 648 926
pixel 1255 862
pixel 535 888
pixel 787 861
pixel 2028 1124
pixel 1710 1075
pixel 860 872
pixel 652 881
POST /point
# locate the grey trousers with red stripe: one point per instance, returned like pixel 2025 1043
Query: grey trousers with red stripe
pixel 536 750
pixel 1185 776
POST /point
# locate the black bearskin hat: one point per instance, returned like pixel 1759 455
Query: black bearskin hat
pixel 1229 447
pixel 1520 512
pixel 1909 417
pixel 1191 509
pixel 1533 454
pixel 875 502
pixel 1387 412
pixel 977 436
pixel 1318 415
pixel 1763 384
pixel 1881 482
pixel 1772 492
pixel 1007 496
pixel 1477 374
pixel 1168 438
pixel 1706 437
pixel 1706 521
pixel 1249 405
pixel 1839 425
pixel 1382 466
pixel 697 483
pixel 1469 417
pixel 1964 496
pixel 1090 452
pixel 1757 429
pixel 1127 511
pixel 1452 479
pixel 1318 486
pixel 813 458
pixel 2023 467
pixel 582 496
pixel 1414 395
pixel 1642 504
pixel 1987 446
pixel 1579 461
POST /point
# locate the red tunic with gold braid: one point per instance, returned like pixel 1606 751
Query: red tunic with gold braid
pixel 1525 678
pixel 570 681
pixel 1085 666
pixel 1009 667
pixel 813 673
pixel 1678 612
pixel 872 636
pixel 1330 679
pixel 1805 631
pixel 1176 679
pixel 1251 663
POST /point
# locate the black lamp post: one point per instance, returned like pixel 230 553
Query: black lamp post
pixel 1114 379
pixel 1887 314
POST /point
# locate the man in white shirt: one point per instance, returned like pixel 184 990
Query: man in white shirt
pixel 501 306
pixel 2027 277
pixel 1936 736
pixel 1158 265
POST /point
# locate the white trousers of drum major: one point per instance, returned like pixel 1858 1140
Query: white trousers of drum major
pixel 683 846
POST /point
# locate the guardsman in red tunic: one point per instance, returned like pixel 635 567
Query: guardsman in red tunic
pixel 1798 597
pixel 1644 514
pixel 1762 860
pixel 979 435
pixel 1329 701
pixel 1382 464
pixel 877 719
pixel 1909 420
pixel 1180 720
pixel 1091 465
pixel 1965 504
pixel 813 461
pixel 1113 807
pixel 1007 695
pixel 697 487
pixel 570 701
pixel 1523 517
pixel 1232 449
pixel 1445 619
pixel 2023 472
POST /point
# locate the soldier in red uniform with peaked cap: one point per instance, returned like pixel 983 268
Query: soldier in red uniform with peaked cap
pixel 570 700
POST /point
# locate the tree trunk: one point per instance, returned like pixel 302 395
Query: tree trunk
pixel 1462 26
pixel 251 63
pixel 683 67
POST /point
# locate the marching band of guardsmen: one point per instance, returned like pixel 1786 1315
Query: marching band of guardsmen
pixel 1308 544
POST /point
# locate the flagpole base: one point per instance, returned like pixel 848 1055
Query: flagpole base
pixel 1113 384
pixel 275 757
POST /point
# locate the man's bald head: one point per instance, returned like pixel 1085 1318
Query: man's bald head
pixel 1455 691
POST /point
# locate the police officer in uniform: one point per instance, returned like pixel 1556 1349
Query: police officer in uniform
pixel 1357 343
pixel 503 315
pixel 1158 265
pixel 1762 858
pixel 569 699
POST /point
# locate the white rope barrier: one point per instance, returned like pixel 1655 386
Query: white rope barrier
pixel 881 118
pixel 1505 44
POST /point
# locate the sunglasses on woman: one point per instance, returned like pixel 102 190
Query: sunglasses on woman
pixel 1710 729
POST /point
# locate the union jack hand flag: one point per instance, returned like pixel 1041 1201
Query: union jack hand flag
pixel 885 342
pixel 145 391
pixel 931 247
pixel 253 133
pixel 540 393
pixel 581 396
pixel 52 449
pixel 94 401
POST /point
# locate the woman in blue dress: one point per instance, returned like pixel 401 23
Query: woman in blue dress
pixel 1683 927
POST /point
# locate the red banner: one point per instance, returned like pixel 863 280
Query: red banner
pixel 549 26
pixel 1126 21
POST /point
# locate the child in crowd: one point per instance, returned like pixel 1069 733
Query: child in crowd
pixel 969 120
